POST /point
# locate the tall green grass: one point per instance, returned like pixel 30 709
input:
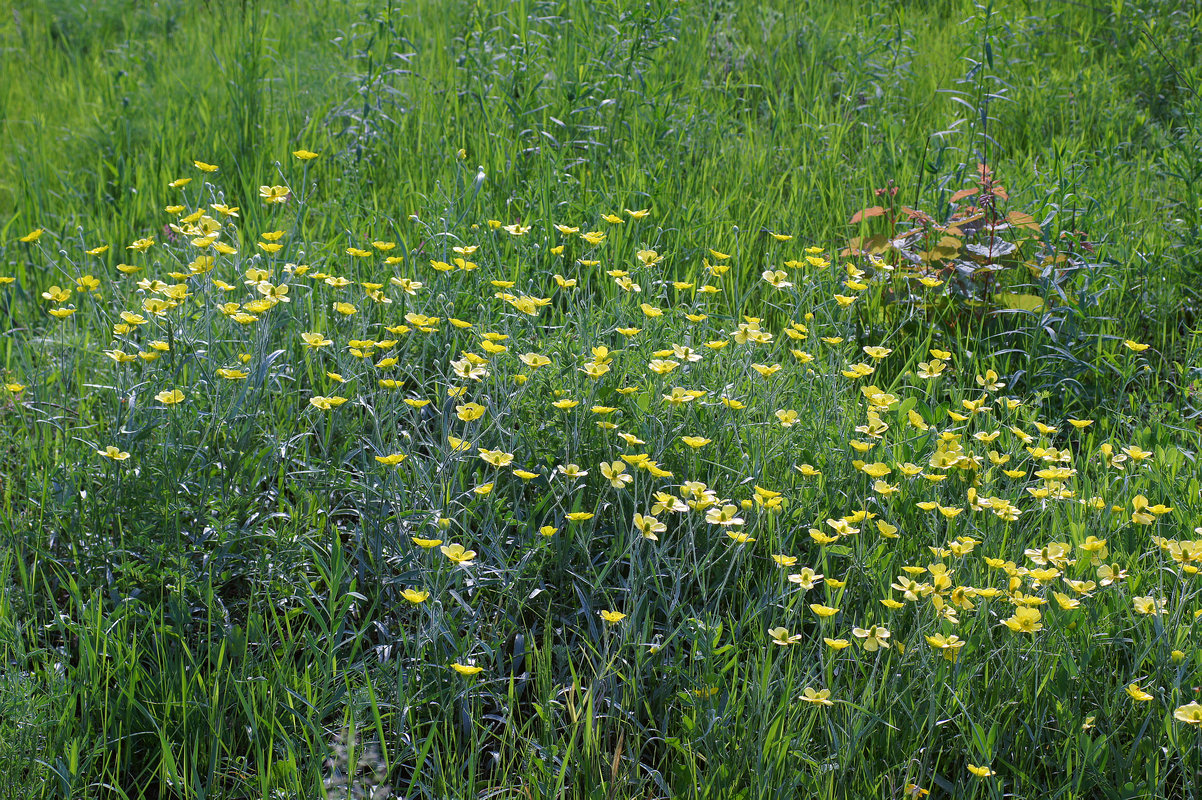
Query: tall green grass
pixel 222 616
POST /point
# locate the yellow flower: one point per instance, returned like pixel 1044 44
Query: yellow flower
pixel 114 453
pixel 980 772
pixel 1025 620
pixel 595 371
pixel 885 488
pixel 726 515
pixel 612 617
pixel 854 371
pixel 496 458
pixel 392 459
pixel 822 697
pixel 680 396
pixel 823 611
pixel 787 417
pixel 1137 453
pixel 649 526
pixel 1190 714
pixel 232 374
pixel 273 193
pixel 765 370
pixel 1140 514
pixel 304 155
pixel 203 167
pixel 469 412
pixel 315 340
pixel 1065 602
pixel 650 310
pixel 655 469
pixel 1138 348
pixel 615 473
pixel 415 596
pixel 170 397
pixel 1148 605
pixel 465 670
pixel 822 538
pixel 548 530
pixel 661 366
pixel 457 554
pixel 874 637
pixel 1111 573
pixel 776 278
pixel 407 285
pixel 649 258
pixel 931 369
pixel 579 516
pixel 1137 694
pixel 57 294
pixel 836 644
pixel 426 544
pixel 667 503
pixel 781 637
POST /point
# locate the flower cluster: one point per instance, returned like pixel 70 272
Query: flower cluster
pixel 886 493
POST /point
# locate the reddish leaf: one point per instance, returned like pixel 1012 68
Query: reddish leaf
pixel 960 195
pixel 868 213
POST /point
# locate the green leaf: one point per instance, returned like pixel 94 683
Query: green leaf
pixel 1025 302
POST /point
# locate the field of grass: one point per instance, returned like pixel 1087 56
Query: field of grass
pixel 600 399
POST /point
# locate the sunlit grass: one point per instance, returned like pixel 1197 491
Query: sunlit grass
pixel 529 424
pixel 473 459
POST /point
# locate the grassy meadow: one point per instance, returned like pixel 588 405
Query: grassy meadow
pixel 564 399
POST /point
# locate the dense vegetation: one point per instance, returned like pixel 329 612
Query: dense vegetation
pixel 600 399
